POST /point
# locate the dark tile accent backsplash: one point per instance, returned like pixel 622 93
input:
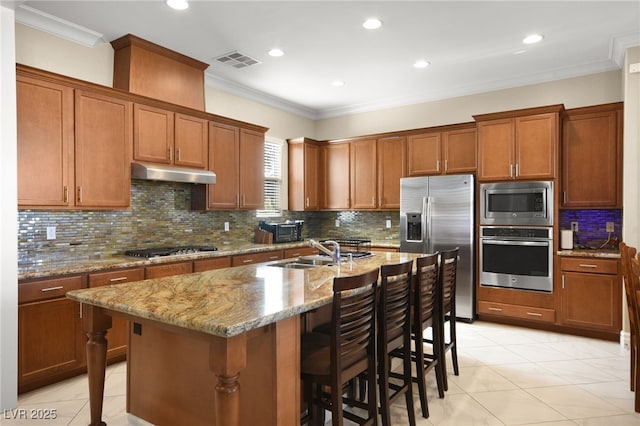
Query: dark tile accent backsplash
pixel 592 225
pixel 160 214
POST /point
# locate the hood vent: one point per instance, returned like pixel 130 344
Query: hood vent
pixel 165 172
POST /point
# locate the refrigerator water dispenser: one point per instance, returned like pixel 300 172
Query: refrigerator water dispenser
pixel 414 226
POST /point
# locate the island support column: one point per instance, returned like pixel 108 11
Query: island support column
pixel 96 323
pixel 227 357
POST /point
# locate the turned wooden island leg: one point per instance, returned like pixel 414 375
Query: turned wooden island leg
pixel 96 323
pixel 227 357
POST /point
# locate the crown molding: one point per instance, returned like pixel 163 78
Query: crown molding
pixel 620 44
pixel 59 27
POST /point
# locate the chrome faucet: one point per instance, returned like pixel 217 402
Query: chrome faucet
pixel 335 254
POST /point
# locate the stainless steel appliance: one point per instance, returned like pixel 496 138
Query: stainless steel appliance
pixel 517 257
pixel 168 251
pixel 283 232
pixel 517 203
pixel 437 213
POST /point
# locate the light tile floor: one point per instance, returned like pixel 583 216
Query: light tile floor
pixel 508 376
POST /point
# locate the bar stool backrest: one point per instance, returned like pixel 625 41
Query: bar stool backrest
pixel 448 270
pixel 426 291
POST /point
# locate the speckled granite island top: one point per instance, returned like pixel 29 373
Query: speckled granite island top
pixel 227 302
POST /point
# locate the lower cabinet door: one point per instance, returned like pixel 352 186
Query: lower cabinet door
pixel 591 301
pixel 50 341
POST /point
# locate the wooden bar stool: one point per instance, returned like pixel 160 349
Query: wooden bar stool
pixel 627 253
pixel 447 281
pixel 394 337
pixel 329 361
pixel 426 302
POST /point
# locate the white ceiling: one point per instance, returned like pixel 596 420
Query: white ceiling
pixel 471 45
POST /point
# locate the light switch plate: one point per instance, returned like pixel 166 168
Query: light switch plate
pixel 226 226
pixel 337 223
pixel 51 232
pixel 388 223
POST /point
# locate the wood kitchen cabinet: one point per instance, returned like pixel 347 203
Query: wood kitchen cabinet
pixel 519 144
pixel 336 176
pixel 51 343
pixel 236 155
pixel 392 166
pixel 250 258
pixel 298 251
pixel 364 174
pixel 442 152
pixel 591 294
pixel 167 137
pixel 103 130
pixel 117 335
pixel 45 142
pixel 592 157
pixel 210 264
pixel 304 167
pixel 168 269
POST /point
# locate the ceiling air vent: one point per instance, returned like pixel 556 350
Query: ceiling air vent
pixel 237 59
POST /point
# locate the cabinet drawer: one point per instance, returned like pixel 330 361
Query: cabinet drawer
pixel 47 289
pixel 159 271
pixel 299 251
pixel 115 277
pixel 516 311
pixel 596 266
pixel 247 259
pixel 210 264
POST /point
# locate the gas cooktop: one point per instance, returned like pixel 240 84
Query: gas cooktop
pixel 168 251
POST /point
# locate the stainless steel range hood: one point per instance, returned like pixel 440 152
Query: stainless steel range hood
pixel 165 172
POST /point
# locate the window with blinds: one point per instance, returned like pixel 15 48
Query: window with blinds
pixel 272 180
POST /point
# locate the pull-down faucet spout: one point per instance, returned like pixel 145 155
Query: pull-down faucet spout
pixel 335 254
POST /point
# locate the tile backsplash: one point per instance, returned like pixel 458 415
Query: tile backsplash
pixel 160 214
pixel 592 225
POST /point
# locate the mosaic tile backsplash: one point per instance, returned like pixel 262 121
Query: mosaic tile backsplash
pixel 161 215
pixel 592 226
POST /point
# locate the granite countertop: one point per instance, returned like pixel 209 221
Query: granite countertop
pixel 230 301
pixel 41 268
pixel 607 254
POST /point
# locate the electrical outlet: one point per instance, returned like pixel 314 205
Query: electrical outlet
pixel 337 223
pixel 610 227
pixel 574 226
pixel 388 223
pixel 226 226
pixel 51 232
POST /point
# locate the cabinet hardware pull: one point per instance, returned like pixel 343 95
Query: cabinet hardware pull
pixel 273 257
pixel 66 194
pixel 80 310
pixel 117 279
pixel 446 165
pixel 307 201
pixel 437 165
pixel 495 309
pixel 510 170
pixel 247 261
pixel 170 152
pixel 563 281
pixel 517 169
pixel 587 265
pixel 534 314
pixel 178 156
pixel 564 197
pixel 59 287
pixel 79 194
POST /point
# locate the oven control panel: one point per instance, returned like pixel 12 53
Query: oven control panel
pixel 516 232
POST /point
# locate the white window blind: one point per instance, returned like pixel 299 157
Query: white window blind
pixel 272 180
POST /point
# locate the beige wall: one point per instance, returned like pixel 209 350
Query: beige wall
pixel 631 168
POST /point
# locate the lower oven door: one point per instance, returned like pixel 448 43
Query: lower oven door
pixel 524 265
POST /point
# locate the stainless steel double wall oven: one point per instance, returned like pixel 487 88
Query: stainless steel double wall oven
pixel 516 235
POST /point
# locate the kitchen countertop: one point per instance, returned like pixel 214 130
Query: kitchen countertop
pixel 607 254
pixel 227 302
pixel 42 269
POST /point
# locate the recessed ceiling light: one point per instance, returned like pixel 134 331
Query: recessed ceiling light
pixel 421 64
pixel 276 52
pixel 532 38
pixel 337 83
pixel 178 4
pixel 372 23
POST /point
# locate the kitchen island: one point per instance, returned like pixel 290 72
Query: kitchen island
pixel 218 347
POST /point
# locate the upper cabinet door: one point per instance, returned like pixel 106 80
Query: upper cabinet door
pixel 335 168
pixel 391 167
pixel 495 149
pixel 423 154
pixel 459 151
pixel 191 141
pixel 251 170
pixel 153 134
pixel 45 143
pixel 223 160
pixel 311 176
pixel 364 176
pixel 104 129
pixel 592 158
pixel 536 146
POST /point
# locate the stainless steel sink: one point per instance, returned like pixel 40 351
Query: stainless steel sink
pixel 304 262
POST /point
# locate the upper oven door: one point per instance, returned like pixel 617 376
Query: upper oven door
pixel 517 203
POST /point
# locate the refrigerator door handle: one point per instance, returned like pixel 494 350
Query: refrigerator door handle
pixel 426 211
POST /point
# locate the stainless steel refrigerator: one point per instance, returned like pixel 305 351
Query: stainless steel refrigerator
pixel 437 213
